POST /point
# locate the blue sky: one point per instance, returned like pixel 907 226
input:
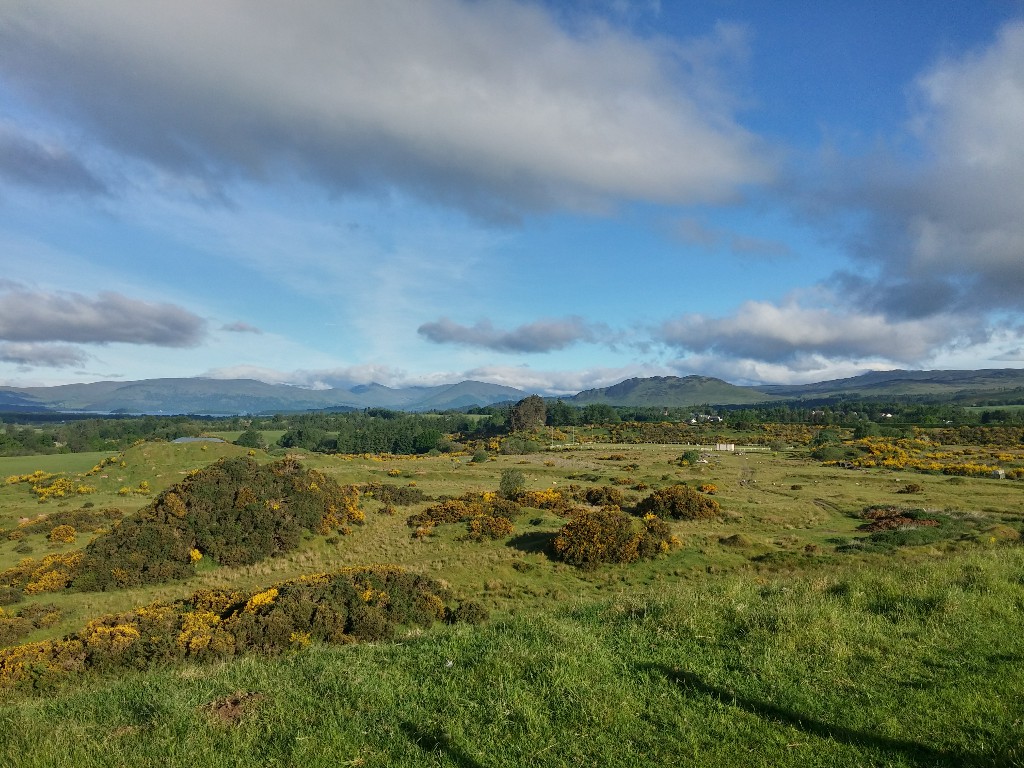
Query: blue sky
pixel 553 196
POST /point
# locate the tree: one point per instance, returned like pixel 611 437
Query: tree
pixel 562 415
pixel 512 483
pixel 600 413
pixel 528 413
pixel 251 438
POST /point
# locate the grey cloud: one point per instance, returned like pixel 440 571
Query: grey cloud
pixel 240 327
pixel 489 106
pixel 540 336
pixel 34 316
pixel 946 233
pixel 42 355
pixel 43 165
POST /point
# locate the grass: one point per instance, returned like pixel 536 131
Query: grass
pixel 756 643
pixel 918 665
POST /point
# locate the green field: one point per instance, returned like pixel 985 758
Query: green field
pixel 773 636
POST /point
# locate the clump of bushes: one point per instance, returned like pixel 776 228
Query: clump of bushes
pixel 86 518
pixel 14 625
pixel 63 534
pixel 609 535
pixel 462 509
pixel 484 527
pixel 680 502
pixel 395 495
pixel 352 604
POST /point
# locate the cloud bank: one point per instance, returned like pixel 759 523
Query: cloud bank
pixel 488 106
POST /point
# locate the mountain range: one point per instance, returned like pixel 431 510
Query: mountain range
pixel 238 396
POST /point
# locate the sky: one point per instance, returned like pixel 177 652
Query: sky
pixel 553 196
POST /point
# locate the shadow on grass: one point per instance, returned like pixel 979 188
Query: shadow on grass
pixel 534 542
pixel 911 751
pixel 438 743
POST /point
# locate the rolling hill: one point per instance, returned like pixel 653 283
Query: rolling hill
pixel 239 396
pixel 672 391
pixel 235 396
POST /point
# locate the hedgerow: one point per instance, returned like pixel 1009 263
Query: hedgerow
pixel 368 603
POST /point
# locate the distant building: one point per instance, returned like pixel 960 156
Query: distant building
pixel 725 446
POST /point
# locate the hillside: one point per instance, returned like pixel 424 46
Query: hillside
pixel 942 385
pixel 240 396
pixel 234 396
pixel 672 391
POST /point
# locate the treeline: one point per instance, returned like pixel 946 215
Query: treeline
pixel 380 430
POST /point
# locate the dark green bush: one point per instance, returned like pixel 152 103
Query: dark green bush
pixel 395 495
pixel 679 501
pixel 598 536
pixel 235 511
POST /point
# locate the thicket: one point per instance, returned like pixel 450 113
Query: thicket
pixel 680 502
pixel 367 603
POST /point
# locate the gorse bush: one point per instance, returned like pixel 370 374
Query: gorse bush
pixel 464 508
pixel 609 535
pixel 352 604
pixel 235 511
pixel 483 527
pixel 395 495
pixel 679 501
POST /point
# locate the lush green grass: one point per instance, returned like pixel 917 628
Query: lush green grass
pixel 914 665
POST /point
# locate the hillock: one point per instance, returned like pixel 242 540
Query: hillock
pixel 235 512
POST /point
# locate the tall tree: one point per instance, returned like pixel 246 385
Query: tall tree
pixel 528 413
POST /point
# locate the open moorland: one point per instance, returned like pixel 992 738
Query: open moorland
pixel 858 606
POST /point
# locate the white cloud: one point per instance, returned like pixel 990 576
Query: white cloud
pixel 489 106
pixel 787 333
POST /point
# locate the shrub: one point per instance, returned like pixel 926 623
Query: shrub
pixel 63 534
pixel 604 496
pixel 488 527
pixel 680 502
pixel 911 488
pixel 598 536
pixel 480 456
pixel 708 488
pixel 235 510
pixel 689 457
pixel 396 495
pixel 512 483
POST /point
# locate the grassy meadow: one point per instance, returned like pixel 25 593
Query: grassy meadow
pixel 777 634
